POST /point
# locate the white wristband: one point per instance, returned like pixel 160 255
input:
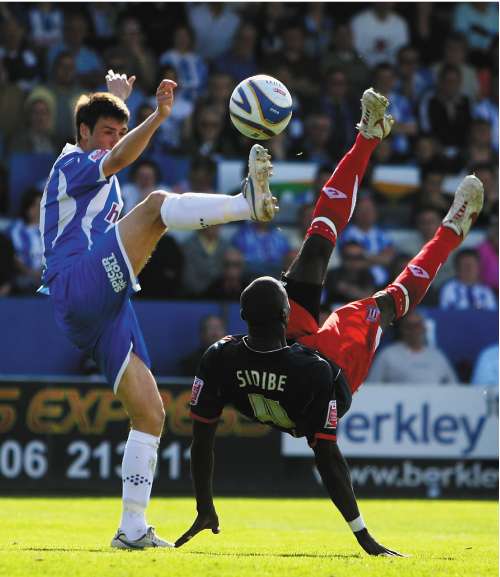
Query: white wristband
pixel 357 524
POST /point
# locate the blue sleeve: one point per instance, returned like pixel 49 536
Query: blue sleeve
pixel 84 172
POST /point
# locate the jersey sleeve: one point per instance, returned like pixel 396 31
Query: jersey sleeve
pixel 84 171
pixel 206 399
pixel 322 411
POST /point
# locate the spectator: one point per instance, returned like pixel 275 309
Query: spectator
pixel 133 46
pixel 342 110
pixel 479 144
pixel 264 246
pixel 240 62
pixel 215 25
pixel 319 28
pixel 20 62
pixel 465 291
pixel 232 281
pixel 455 54
pixel 405 125
pixel 207 137
pixel 413 79
pixel 446 113
pixel 344 57
pixel 351 281
pixel 377 244
pixel 26 240
pixel 4 190
pixel 487 109
pixel 89 68
pixel 203 257
pixel 190 68
pixel 411 361
pixel 270 24
pixel 7 266
pixel 103 18
pixel 314 145
pixel 161 278
pixel 65 90
pixel 485 372
pixel 488 255
pixel 38 134
pixel 379 33
pixel 429 22
pixel 219 89
pixel 46 22
pixel 212 329
pixel 144 178
pixel 478 21
pixel 302 78
pixel 11 106
pixel 431 193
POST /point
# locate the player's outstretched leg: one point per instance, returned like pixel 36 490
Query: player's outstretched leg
pixel 409 288
pixel 305 277
pixel 337 199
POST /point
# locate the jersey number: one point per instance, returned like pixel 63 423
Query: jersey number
pixel 270 411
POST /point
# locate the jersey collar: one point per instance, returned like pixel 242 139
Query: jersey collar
pixel 262 352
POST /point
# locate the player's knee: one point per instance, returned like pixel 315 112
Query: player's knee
pixel 149 420
pixel 153 203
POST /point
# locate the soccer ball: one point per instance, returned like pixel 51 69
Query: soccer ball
pixel 260 107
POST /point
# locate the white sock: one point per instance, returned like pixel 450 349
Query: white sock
pixel 138 467
pixel 194 210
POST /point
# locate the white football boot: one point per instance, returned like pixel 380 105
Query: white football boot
pixel 149 539
pixel 466 206
pixel 374 123
pixel 255 187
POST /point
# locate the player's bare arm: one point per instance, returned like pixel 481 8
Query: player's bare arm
pixel 202 468
pixel 131 146
pixel 335 474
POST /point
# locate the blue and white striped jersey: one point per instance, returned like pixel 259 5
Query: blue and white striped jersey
pixel 79 204
pixel 27 243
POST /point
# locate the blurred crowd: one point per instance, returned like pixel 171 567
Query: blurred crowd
pixel 436 62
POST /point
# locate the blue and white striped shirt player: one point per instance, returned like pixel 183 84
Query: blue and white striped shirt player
pixel 79 204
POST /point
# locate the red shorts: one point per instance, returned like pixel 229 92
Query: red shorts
pixel 349 337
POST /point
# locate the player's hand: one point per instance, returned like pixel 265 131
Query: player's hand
pixel 119 84
pixel 165 97
pixel 372 547
pixel 203 521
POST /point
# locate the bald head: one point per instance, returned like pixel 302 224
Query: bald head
pixel 264 303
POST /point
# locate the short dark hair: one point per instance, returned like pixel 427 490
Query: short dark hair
pixel 27 199
pixel 90 108
pixel 464 253
pixel 138 165
pixel 262 302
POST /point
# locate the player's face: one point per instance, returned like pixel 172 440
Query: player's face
pixel 107 132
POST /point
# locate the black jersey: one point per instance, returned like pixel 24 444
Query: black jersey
pixel 291 388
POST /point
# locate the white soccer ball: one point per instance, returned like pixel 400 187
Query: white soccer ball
pixel 260 107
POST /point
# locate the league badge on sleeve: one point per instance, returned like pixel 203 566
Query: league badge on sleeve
pixel 196 390
pixel 96 155
pixel 331 417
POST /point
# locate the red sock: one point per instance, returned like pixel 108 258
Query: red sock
pixel 338 196
pixel 411 285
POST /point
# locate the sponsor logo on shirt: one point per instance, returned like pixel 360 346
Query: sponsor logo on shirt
pixel 115 275
pixel 418 271
pixel 196 390
pixel 96 155
pixel 331 417
pixel 113 214
pixel 333 192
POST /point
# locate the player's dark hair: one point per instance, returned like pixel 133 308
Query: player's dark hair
pixel 90 108
pixel 263 304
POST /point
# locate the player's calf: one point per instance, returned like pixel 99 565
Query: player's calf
pixel 338 196
pixel 410 287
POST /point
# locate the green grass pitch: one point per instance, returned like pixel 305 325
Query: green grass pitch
pixel 260 538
